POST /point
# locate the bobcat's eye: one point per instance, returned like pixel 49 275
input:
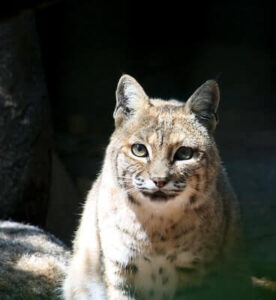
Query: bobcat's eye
pixel 139 150
pixel 184 153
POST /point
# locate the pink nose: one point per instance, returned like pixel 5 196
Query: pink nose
pixel 159 182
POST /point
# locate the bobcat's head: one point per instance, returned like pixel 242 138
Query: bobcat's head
pixel 164 148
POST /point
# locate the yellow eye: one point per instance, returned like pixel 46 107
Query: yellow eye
pixel 139 150
pixel 184 153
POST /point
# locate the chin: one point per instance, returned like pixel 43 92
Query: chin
pixel 159 196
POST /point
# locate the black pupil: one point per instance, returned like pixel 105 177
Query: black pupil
pixel 140 148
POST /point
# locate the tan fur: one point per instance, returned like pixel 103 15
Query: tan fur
pixel 133 245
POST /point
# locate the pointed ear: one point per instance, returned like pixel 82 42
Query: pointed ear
pixel 204 104
pixel 130 96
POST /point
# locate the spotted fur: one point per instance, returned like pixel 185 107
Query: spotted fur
pixel 154 226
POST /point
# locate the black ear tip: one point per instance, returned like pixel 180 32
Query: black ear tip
pixel 213 87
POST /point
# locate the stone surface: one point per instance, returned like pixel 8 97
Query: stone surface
pixel 64 206
pixel 25 129
pixel 32 262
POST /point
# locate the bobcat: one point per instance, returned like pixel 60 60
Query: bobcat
pixel 161 218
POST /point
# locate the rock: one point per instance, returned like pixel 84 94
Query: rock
pixel 64 206
pixel 32 262
pixel 25 130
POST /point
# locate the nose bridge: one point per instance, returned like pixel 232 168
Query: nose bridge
pixel 159 168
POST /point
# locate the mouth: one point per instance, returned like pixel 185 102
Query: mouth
pixel 159 196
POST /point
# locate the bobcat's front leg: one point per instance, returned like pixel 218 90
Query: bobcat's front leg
pixel 83 280
pixel 115 293
pixel 118 281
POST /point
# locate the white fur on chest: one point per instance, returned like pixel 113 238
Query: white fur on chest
pixel 156 277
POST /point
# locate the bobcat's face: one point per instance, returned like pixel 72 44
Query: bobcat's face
pixel 161 147
pixel 164 156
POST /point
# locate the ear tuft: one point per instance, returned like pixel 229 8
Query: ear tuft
pixel 204 104
pixel 129 97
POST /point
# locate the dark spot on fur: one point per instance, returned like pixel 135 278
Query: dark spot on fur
pixel 165 280
pixel 182 180
pixel 193 199
pixel 171 257
pixel 203 212
pixel 116 263
pixel 197 179
pixel 206 187
pixel 121 287
pixel 195 262
pixel 183 232
pixel 124 230
pixel 155 235
pixel 146 259
pixel 131 247
pixel 177 236
pixel 175 191
pixel 173 226
pixel 159 250
pixel 163 238
pixel 133 200
pixel 131 268
pixel 185 270
pixel 206 179
pixel 161 270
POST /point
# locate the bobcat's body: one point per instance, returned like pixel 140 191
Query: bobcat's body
pixel 156 224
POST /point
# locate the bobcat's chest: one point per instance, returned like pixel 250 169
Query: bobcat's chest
pixel 159 277
pixel 156 278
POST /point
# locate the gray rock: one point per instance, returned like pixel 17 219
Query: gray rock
pixel 32 262
pixel 25 133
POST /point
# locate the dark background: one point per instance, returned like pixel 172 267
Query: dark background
pixel 170 49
